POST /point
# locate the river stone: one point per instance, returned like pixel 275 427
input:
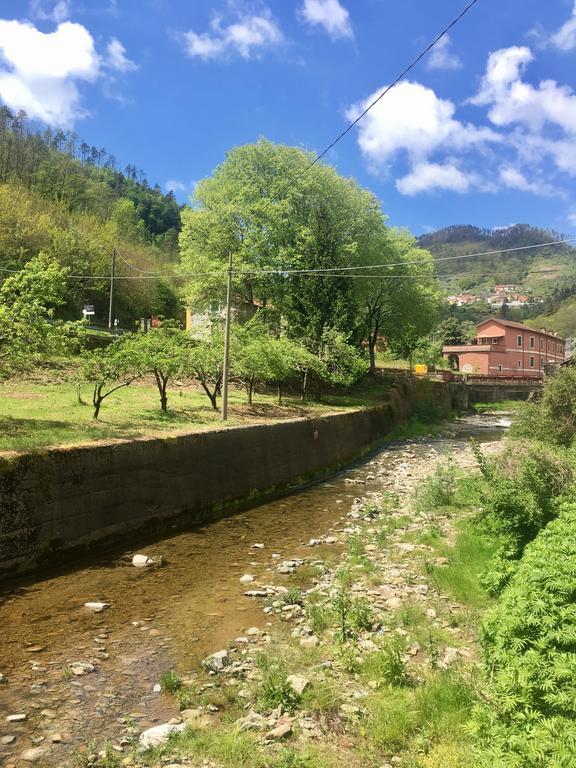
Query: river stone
pixel 247 578
pixel 216 662
pixel 159 734
pixel 16 718
pixel 96 606
pixel 309 642
pixel 298 683
pixel 279 732
pixel 4 740
pixel 141 561
pixel 33 754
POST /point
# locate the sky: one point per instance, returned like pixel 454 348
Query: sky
pixel 482 131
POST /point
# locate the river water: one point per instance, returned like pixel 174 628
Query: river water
pixel 164 618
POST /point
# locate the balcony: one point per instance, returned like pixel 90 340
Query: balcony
pixel 460 349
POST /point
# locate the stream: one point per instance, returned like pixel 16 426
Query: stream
pixel 77 675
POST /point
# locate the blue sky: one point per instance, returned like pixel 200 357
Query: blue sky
pixel 483 132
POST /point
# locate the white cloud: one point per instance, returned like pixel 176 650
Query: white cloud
pixel 330 15
pixel 39 72
pixel 180 187
pixel 512 100
pixel 427 177
pixel 441 58
pixel 513 178
pixel 245 36
pixel 59 11
pixel 116 57
pixel 572 218
pixel 411 118
pixel 565 38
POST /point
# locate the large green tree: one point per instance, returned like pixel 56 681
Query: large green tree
pixel 260 206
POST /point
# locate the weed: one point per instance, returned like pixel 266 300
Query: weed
pixel 324 696
pixel 185 697
pixel 292 597
pixel 438 491
pixel 355 546
pixel 386 664
pixel 361 615
pixel 319 617
pixel 274 689
pixel 170 682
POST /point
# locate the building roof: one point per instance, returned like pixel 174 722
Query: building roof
pixel 512 324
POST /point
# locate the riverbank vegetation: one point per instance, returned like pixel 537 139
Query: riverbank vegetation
pixel 440 633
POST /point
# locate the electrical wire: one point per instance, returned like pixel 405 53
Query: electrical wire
pixel 320 271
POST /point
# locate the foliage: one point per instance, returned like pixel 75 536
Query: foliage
pixel 529 646
pixel 438 490
pixel 170 682
pixel 526 480
pixel 161 351
pixel 553 418
pixel 205 360
pixel 111 369
pixel 28 300
pixel 386 665
pixel 259 206
pixel 274 689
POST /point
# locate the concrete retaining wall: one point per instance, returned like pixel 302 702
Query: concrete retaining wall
pixel 65 498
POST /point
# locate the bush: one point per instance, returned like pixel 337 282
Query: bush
pixel 529 644
pixel 526 480
pixel 553 418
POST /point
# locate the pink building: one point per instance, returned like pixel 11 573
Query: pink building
pixel 504 348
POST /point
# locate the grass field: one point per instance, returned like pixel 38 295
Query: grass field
pixel 35 414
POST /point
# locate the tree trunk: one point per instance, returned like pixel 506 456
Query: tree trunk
pixel 304 384
pixel 162 383
pixel 279 394
pixel 372 352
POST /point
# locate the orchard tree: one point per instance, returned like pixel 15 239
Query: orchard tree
pixel 163 352
pixel 110 369
pixel 205 360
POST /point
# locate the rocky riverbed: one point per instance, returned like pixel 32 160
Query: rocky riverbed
pixel 74 678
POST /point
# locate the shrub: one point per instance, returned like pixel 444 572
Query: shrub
pixel 529 644
pixel 386 665
pixel 527 478
pixel 553 418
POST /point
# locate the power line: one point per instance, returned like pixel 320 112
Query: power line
pixel 388 88
pixel 355 122
pixel 320 271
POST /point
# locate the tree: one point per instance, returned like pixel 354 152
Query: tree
pixel 111 369
pixel 261 207
pixel 163 352
pixel 206 360
pixel 28 300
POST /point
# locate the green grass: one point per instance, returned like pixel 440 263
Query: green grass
pixel 468 558
pixel 501 405
pixel 34 415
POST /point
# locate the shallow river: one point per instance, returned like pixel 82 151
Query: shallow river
pixel 162 618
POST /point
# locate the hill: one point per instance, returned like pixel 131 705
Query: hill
pixel 60 196
pixel 540 270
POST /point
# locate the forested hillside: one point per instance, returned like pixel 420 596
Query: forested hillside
pixel 69 200
pixel 540 269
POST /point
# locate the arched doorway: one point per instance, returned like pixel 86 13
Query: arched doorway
pixel 454 362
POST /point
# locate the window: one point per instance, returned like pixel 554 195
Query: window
pixel 519 341
pixel 496 340
pixel 531 342
pixel 531 361
pixel 519 363
pixel 541 343
pixel 483 340
pixel 499 367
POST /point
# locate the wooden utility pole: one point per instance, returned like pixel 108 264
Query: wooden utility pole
pixel 112 276
pixel 225 369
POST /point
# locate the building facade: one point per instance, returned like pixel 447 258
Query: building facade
pixel 505 348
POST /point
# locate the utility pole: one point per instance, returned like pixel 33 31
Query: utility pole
pixel 227 343
pixel 112 276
